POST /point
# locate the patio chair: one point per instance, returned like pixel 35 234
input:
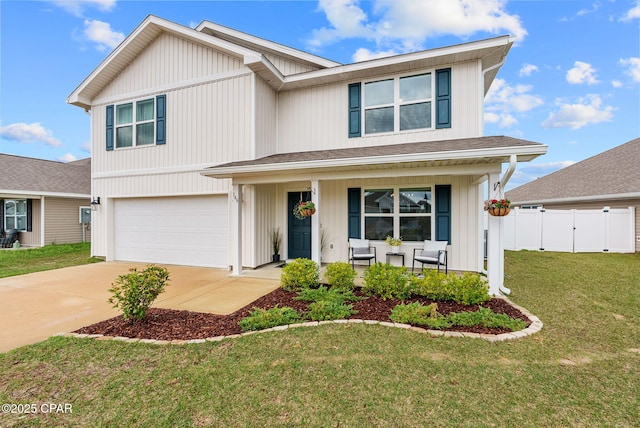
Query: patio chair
pixel 432 252
pixel 359 249
pixel 9 238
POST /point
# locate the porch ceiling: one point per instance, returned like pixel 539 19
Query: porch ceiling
pixel 469 156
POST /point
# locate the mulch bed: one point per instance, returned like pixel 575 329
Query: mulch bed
pixel 168 324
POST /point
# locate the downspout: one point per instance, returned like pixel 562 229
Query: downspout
pixel 513 160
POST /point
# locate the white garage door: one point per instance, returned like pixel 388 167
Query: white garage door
pixel 190 231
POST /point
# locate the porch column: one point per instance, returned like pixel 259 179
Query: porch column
pixel 315 222
pixel 495 247
pixel 236 228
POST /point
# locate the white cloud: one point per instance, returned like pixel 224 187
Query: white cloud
pixel 406 24
pixel 29 133
pixel 101 33
pixel 616 84
pixel 633 67
pixel 582 72
pixel 347 20
pixel 78 7
pixel 86 146
pixel 527 69
pixel 68 157
pixel 633 13
pixel 587 111
pixel 503 99
pixel 364 54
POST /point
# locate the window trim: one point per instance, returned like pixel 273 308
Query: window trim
pixel 397 103
pixel 16 215
pixel 396 214
pixel 134 123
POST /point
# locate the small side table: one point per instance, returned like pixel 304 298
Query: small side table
pixel 389 255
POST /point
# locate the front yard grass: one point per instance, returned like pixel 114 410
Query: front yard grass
pixel 20 262
pixel 582 369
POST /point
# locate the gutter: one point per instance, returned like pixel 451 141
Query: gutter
pixel 513 160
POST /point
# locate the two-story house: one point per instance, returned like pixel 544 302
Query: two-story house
pixel 204 140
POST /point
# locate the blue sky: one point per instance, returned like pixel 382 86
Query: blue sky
pixel 572 81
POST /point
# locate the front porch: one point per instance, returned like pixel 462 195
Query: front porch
pixel 402 190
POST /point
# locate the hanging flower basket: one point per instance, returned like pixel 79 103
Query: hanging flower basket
pixel 304 209
pixel 497 207
pixel 499 212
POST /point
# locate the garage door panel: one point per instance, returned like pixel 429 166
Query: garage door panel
pixel 182 230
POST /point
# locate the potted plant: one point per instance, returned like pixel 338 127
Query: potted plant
pixel 497 207
pixel 276 241
pixel 304 209
pixel 394 243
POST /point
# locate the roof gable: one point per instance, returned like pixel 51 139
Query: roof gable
pixel 253 51
pixel 614 172
pixel 39 176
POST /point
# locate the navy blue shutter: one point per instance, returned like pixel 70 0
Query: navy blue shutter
pixel 1 215
pixel 161 117
pixel 110 127
pixel 443 213
pixel 355 100
pixel 355 213
pixel 29 215
pixel 443 98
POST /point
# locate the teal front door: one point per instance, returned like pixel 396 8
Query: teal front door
pixel 299 231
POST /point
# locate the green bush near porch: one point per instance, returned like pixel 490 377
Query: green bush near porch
pixel 300 274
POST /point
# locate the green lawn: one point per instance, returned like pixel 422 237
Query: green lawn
pixel 19 262
pixel 582 369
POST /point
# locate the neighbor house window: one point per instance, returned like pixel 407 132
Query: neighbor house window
pixel 15 214
pixel 404 212
pixel 135 123
pixel 398 104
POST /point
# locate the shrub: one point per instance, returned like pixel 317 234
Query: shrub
pixel 329 310
pixel 487 318
pixel 434 285
pixel 414 313
pixel 387 281
pixel 260 319
pixel 135 291
pixel 341 275
pixel 470 289
pixel 300 274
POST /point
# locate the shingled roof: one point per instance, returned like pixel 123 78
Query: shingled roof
pixel 611 173
pixel 22 175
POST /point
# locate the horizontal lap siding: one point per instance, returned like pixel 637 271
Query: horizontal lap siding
pixel 33 238
pixel 315 118
pixel 62 224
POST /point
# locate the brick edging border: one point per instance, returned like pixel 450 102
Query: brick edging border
pixel 536 326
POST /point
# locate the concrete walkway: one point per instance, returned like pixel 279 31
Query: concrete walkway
pixel 39 305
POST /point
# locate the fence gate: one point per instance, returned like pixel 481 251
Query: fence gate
pixel 574 231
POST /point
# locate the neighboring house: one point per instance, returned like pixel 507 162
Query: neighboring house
pixel 610 179
pixel 43 199
pixel 204 139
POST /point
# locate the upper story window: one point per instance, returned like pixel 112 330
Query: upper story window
pixel 137 123
pixel 402 103
pixel 398 104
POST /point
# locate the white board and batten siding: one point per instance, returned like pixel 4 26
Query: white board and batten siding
pixel 315 118
pixel 579 231
pixel 175 230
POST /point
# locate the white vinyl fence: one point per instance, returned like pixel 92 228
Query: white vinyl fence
pixel 573 231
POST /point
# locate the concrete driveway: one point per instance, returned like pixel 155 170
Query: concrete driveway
pixel 39 305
